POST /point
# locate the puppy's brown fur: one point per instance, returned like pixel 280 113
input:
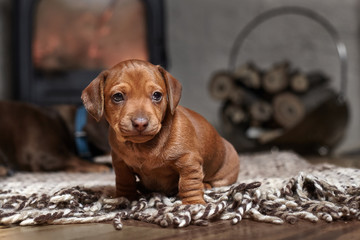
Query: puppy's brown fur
pixel 170 148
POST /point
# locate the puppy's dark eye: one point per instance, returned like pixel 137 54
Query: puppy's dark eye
pixel 157 96
pixel 118 97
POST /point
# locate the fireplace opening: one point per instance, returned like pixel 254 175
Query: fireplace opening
pixel 61 45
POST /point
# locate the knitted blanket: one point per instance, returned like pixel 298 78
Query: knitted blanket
pixel 271 187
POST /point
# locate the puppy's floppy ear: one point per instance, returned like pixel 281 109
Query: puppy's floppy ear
pixel 93 96
pixel 173 87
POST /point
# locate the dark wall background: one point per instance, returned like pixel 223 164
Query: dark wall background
pixel 200 34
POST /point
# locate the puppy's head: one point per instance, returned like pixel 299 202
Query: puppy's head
pixel 134 96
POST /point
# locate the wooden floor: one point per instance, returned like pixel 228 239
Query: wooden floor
pixel 246 229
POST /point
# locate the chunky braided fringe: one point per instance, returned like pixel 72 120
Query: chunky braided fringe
pixel 324 193
pixel 304 197
pixel 226 204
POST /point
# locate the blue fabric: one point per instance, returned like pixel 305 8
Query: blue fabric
pixel 82 146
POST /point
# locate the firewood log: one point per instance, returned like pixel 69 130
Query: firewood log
pixel 290 109
pixel 301 82
pixel 248 75
pixel 269 135
pixel 276 79
pixel 221 85
pixel 260 111
pixel 238 95
pixel 235 113
pixel 242 96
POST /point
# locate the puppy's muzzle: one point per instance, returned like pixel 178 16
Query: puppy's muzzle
pixel 140 123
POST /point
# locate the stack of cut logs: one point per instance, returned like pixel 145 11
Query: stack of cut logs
pixel 264 103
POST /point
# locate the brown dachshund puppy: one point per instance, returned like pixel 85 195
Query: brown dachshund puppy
pixel 170 148
pixel 34 138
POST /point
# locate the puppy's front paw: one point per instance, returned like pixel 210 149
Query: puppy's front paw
pixel 131 196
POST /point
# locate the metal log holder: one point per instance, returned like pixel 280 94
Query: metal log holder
pixel 321 129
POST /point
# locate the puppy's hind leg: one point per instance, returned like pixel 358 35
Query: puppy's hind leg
pixel 228 173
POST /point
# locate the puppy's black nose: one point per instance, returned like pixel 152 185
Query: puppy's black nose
pixel 140 123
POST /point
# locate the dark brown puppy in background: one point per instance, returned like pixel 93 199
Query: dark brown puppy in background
pixel 34 138
pixel 170 148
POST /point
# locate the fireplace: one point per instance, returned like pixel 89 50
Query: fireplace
pixel 61 45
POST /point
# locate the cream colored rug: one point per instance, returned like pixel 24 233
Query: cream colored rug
pixel 271 187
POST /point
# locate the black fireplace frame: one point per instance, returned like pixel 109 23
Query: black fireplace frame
pixel 36 87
